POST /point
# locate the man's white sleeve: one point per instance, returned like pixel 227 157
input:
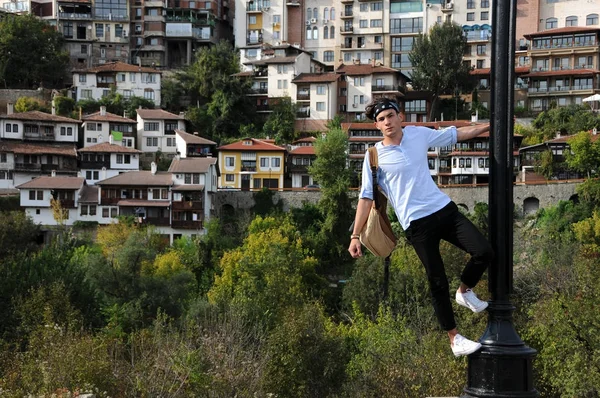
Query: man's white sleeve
pixel 366 187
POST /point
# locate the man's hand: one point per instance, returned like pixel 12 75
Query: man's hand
pixel 355 248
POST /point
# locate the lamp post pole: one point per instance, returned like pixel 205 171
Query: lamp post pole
pixel 503 367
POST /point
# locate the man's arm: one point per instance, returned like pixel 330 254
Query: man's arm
pixel 468 132
pixel 362 214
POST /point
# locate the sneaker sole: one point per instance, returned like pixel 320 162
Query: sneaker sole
pixel 475 310
pixel 468 352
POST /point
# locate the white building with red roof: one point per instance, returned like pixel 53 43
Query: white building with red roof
pixel 251 164
pixel 99 126
pixel 37 196
pixel 101 161
pixel 156 131
pixel 128 80
pixel 300 157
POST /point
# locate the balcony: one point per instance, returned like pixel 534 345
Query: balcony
pixel 65 168
pixel 255 39
pixel 346 29
pixel 259 91
pixel 72 15
pixel 416 109
pixel 303 97
pixel 67 203
pixel 45 136
pixel 380 88
pixel 188 205
pixel 347 14
pixel 559 88
pixel 186 224
pixel 448 7
pixel 154 3
pixel 28 167
pixel 303 114
pixel 160 221
pixel 248 169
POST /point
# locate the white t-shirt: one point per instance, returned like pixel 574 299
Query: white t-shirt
pixel 403 173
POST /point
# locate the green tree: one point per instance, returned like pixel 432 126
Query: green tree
pixel 270 272
pixel 171 94
pixel 18 233
pixel 437 59
pixel 281 122
pixel 545 164
pixel 26 104
pixel 565 120
pixel 64 105
pixel 584 156
pixel 23 37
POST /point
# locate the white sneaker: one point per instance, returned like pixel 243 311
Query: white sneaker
pixel 471 301
pixel 463 346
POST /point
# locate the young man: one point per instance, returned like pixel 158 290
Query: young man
pixel 424 211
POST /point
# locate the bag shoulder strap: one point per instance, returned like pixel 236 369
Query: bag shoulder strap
pixel 374 162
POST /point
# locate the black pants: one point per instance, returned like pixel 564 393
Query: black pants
pixel 425 235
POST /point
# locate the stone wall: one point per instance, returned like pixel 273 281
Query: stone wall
pixel 7 95
pixel 527 198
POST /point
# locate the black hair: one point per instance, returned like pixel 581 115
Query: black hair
pixel 376 106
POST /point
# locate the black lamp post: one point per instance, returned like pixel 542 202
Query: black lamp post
pixel 503 367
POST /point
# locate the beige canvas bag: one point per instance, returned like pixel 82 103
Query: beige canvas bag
pixel 377 234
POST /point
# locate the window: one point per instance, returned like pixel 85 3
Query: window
pixel 84 210
pixel 151 141
pixel 68 29
pixel 282 84
pixel 470 4
pixel 332 14
pixel 105 211
pixel 325 32
pixel 470 16
pixel 151 126
pixel 82 78
pixel 332 32
pixel 328 56
pixel 149 94
pixel 485 3
pixel 376 6
pixel 229 177
pixel 591 19
pixel 315 33
pixel 113 212
pixel 480 63
pixel 92 210
pixel 359 81
pixel 252 20
pixel 308 33
pixel 275 162
pixel 229 161
pixel 132 77
pixel 363 23
pixel 551 23
pixel 321 106
pixel 376 23
pixel 3 158
pixel 481 49
pixel 119 158
pixel 99 30
pixel 31 195
pixel 485 15
pixel 571 21
pixel 264 162
pixel 87 94
pixel 170 141
pixel 320 89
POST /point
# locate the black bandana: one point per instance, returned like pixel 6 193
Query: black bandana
pixel 382 106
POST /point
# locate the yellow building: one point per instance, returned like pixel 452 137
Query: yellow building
pixel 251 164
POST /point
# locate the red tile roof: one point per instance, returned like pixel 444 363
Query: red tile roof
pixel 188 187
pixel 39 116
pixel 316 77
pixel 191 165
pixel 562 31
pixel 303 150
pixel 142 177
pixel 569 72
pixel 257 145
pixel 310 125
pixel 306 139
pixel 119 67
pixel 193 138
pixel 39 149
pixel 487 71
pixel 88 194
pixel 106 147
pixel 57 182
pixel 108 117
pixel 158 114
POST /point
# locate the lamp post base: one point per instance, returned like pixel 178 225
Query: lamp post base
pixel 503 367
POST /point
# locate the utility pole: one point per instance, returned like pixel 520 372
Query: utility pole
pixel 503 367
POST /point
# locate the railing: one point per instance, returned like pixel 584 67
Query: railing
pixel 70 15
pixel 162 221
pixel 67 203
pixel 384 88
pixel 188 205
pixel 444 169
pixel 185 224
pixel 28 166
pixel 396 31
pixel 346 29
pixel 582 87
pixel 537 89
pixel 303 114
pixel 348 13
pixel 416 109
pixel 109 201
pixel 262 90
pixel 94 165
pixel 559 88
pixel 302 97
pixel 39 135
pixel 58 168
pixel 246 168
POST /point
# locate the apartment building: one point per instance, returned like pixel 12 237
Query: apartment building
pixel 128 80
pixel 156 131
pixel 36 143
pixel 192 145
pixel 101 161
pixel 251 164
pixel 101 126
pixel 301 155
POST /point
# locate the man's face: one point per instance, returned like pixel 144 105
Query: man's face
pixel 389 123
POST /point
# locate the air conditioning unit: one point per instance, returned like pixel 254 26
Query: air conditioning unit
pixel 326 21
pixel 124 34
pixel 313 20
pixel 307 22
pixel 265 8
pixel 355 105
